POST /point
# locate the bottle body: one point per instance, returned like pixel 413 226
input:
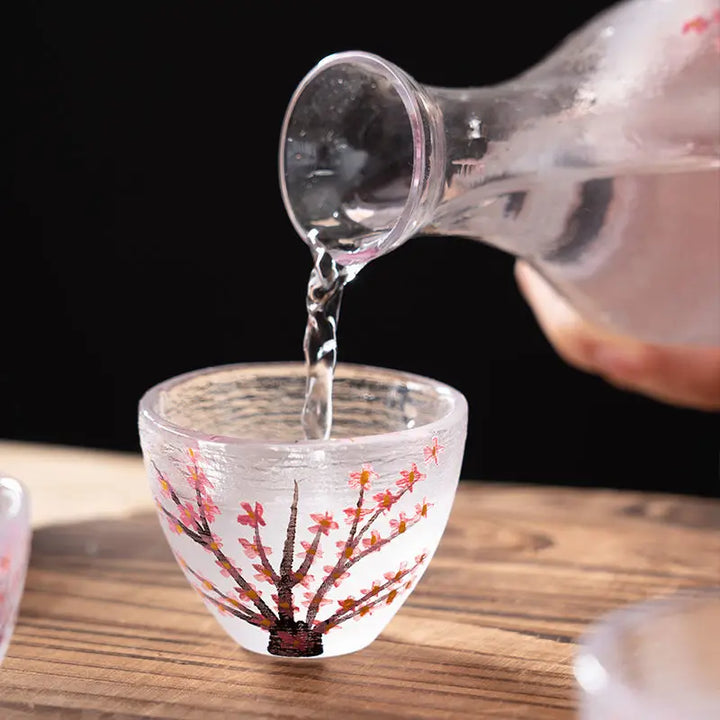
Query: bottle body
pixel 600 167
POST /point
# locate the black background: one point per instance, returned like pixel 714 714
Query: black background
pixel 146 235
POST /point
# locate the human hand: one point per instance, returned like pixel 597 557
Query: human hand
pixel 682 376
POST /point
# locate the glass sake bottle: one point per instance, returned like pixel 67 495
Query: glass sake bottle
pixel 600 166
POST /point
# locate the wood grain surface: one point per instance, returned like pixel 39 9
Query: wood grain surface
pixel 109 628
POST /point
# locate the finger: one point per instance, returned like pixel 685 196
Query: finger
pixel 684 376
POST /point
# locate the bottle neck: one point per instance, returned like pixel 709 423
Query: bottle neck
pixel 359 151
pixel 369 157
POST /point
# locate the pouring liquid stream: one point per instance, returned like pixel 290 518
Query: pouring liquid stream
pixel 324 295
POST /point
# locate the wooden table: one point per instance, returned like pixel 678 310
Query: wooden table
pixel 109 628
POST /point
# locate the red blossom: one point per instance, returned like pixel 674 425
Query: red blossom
pixel 252 550
pixel 431 452
pixel 325 523
pixel 410 477
pixel 253 516
pixel 363 477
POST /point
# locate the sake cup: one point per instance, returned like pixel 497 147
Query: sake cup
pixel 302 548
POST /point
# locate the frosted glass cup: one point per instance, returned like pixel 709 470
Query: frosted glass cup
pixel 658 660
pixel 302 548
pixel 15 536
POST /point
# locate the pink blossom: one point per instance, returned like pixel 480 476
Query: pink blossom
pixel 364 611
pixel 325 523
pixel 336 574
pixel 305 580
pixel 309 598
pixel 347 604
pixel 253 516
pixel 214 542
pixel 698 24
pixel 384 500
pixel 308 549
pixel 252 593
pixel 209 508
pixel 372 542
pixel 263 574
pixel 363 477
pixel 397 575
pixel 225 567
pixel 400 525
pixel 422 508
pixel 356 513
pixel 346 549
pixel 431 452
pixel 174 525
pixel 188 514
pixel 165 487
pixel 198 479
pixel 372 592
pixel 252 550
pixel 410 477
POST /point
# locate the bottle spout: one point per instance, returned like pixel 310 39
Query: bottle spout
pixel 355 148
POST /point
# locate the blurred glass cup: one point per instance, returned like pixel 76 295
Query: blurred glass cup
pixel 657 660
pixel 15 534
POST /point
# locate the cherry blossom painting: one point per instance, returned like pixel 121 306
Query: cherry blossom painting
pixel 294 590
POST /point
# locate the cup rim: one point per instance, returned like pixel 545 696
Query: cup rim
pixel 147 407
